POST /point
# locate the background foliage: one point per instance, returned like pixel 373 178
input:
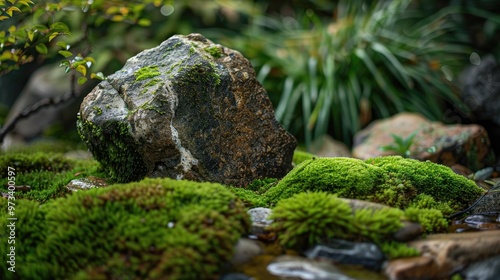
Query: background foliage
pixel 329 66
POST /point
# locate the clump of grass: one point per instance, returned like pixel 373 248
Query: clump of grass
pixel 370 59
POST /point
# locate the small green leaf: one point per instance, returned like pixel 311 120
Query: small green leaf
pixel 40 28
pixel 64 63
pixel 38 13
pixel 59 27
pixel 31 34
pixel 42 48
pixel 53 35
pixel 62 45
pixel 66 54
pixel 144 22
pixel 26 3
pixel 91 59
pixel 82 69
pixel 82 80
pixel 98 76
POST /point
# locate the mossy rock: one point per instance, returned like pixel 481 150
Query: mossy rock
pixel 153 229
pixel 436 185
pixel 45 173
pixel 392 180
pixel 346 177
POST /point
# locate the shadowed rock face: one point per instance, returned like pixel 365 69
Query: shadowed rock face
pixel 186 109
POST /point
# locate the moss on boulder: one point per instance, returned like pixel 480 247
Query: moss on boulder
pixel 153 229
pixel 346 177
pixel 434 180
pixel 391 180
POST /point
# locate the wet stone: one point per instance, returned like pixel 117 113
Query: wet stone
pixel 235 276
pixel 259 217
pixel 86 183
pixel 444 254
pixel 482 222
pixel 245 250
pixel 291 267
pixel 346 252
pixel 488 269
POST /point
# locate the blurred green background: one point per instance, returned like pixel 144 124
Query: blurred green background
pixel 330 67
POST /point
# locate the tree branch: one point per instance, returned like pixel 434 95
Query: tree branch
pixel 44 103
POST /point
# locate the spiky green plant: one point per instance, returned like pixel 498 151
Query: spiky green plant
pixel 401 146
pixel 370 58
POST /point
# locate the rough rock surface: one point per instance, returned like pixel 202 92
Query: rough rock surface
pixel 445 254
pixel 186 109
pixel 467 145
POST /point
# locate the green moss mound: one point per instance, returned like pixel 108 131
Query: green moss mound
pixel 392 180
pixel 310 217
pixel 45 173
pixel 29 232
pixel 153 229
pixel 346 177
pixel 39 161
pixel 307 218
pixel 445 190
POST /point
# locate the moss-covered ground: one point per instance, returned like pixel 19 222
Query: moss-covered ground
pixel 159 227
pixel 43 175
pixel 143 230
pixel 391 180
pixel 306 207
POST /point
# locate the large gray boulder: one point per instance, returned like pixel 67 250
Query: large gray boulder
pixel 187 109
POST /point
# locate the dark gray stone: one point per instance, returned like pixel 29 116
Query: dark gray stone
pixel 488 269
pixel 235 276
pixel 482 90
pixel 187 109
pixel 245 250
pixel 346 252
